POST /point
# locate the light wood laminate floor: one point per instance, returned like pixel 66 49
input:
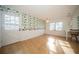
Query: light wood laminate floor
pixel 45 44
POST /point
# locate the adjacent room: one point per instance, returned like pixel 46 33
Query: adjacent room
pixel 39 29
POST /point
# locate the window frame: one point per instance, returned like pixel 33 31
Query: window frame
pixel 55 26
pixel 12 26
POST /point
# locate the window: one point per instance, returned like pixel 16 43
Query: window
pixel 52 26
pixel 59 25
pixel 56 26
pixel 11 22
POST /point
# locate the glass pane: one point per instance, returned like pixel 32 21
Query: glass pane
pixel 7 16
pixel 52 26
pixel 11 22
pixel 59 26
pixel 12 17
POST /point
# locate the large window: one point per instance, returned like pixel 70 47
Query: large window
pixel 52 26
pixel 56 26
pixel 59 26
pixel 11 22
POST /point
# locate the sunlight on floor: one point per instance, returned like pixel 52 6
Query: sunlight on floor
pixel 51 44
pixel 64 45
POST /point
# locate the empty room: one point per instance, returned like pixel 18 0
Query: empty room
pixel 39 29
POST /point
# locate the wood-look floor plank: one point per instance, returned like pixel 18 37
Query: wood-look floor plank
pixel 45 44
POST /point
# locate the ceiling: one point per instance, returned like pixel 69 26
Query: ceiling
pixel 46 11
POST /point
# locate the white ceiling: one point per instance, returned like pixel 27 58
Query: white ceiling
pixel 46 11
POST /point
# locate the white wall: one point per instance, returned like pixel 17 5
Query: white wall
pixel 16 36
pixel 74 19
pixel 0 36
pixel 0 30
